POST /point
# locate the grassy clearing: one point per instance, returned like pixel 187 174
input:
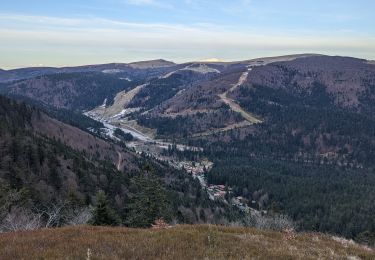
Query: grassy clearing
pixel 181 242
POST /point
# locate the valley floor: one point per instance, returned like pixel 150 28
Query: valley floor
pixel 180 242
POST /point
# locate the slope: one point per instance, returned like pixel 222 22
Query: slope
pixel 181 242
pixel 234 106
pixel 74 91
pixel 45 163
pixel 143 69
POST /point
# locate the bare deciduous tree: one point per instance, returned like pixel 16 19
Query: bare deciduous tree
pixel 52 214
pixel 273 222
pixel 21 219
pixel 79 217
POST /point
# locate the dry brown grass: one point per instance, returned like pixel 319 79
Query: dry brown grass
pixel 181 242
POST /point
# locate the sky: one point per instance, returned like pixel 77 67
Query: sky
pixel 74 32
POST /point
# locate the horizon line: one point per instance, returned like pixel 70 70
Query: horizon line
pixel 208 60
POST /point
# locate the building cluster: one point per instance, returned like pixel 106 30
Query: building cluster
pixel 218 191
pixel 241 203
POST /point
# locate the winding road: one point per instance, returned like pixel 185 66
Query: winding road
pixel 234 106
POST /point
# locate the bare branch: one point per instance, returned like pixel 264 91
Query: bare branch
pixel 20 219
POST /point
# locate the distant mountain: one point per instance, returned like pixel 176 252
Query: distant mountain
pixel 75 91
pixel 205 96
pixel 348 81
pixel 152 68
pixel 345 83
pixel 137 68
pixel 151 64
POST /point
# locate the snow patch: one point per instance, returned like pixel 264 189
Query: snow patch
pixel 112 71
pixel 200 68
pixel 168 75
pixel 104 103
pixel 125 112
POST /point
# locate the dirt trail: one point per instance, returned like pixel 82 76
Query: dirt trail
pixel 234 106
pixel 224 129
pixel 119 161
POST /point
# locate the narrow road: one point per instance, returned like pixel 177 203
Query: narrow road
pixel 119 161
pixel 224 129
pixel 234 106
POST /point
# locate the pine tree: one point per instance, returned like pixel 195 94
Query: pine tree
pixel 104 215
pixel 149 202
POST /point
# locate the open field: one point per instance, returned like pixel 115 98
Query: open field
pixel 180 242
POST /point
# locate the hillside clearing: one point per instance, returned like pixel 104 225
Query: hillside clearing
pixel 121 100
pixel 234 106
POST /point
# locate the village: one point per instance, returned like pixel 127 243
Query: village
pixel 154 148
pixel 215 192
pixel 198 170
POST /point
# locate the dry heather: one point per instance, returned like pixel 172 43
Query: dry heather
pixel 181 242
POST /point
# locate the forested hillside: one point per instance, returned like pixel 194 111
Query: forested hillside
pixel 312 157
pixel 74 91
pixel 44 181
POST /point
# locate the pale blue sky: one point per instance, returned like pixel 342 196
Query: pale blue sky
pixel 73 32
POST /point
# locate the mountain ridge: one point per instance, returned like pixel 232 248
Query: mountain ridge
pixel 161 60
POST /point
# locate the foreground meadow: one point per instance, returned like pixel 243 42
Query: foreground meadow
pixel 180 242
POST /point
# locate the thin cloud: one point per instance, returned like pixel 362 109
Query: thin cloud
pixel 152 3
pixel 141 2
pixel 90 31
pixel 44 22
pixel 54 40
pixel 237 7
